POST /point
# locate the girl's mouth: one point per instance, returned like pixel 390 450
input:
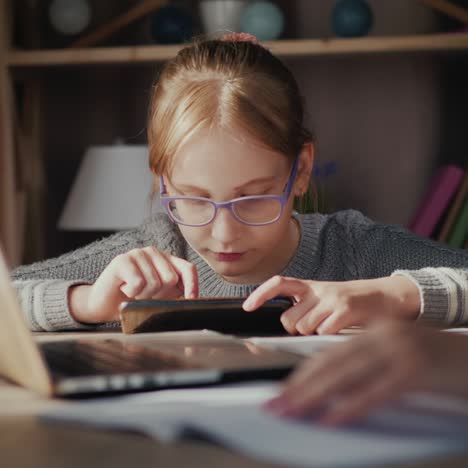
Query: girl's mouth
pixel 228 256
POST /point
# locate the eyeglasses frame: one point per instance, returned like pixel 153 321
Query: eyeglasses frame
pixel 283 199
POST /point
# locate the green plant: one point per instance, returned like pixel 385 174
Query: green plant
pixel 313 201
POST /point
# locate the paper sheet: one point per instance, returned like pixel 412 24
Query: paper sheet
pixel 305 345
pixel 232 415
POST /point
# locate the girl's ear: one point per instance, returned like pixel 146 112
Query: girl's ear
pixel 306 164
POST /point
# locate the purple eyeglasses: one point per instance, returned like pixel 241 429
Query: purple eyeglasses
pixel 256 210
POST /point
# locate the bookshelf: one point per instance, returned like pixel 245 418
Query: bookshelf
pixel 32 101
pixel 430 43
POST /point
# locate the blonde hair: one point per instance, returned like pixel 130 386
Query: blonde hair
pixel 224 83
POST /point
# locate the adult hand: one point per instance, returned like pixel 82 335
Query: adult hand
pixel 145 273
pixel 348 380
pixel 326 307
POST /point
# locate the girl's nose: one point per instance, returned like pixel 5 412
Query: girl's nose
pixel 225 228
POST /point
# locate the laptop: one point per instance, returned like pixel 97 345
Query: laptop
pixel 113 362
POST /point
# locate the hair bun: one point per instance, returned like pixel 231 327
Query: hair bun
pixel 239 37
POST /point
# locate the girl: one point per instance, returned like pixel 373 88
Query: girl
pixel 229 151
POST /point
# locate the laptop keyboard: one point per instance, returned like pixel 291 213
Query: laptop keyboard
pixel 89 357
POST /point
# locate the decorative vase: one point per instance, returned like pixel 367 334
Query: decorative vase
pixel 69 16
pixel 262 19
pixel 221 15
pixel 351 18
pixel 171 25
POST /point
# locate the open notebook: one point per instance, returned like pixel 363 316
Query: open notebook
pixel 418 428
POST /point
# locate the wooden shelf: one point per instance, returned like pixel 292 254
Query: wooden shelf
pixel 283 48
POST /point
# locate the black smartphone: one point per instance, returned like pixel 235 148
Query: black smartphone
pixel 224 315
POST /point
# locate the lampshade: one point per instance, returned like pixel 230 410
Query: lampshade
pixel 111 191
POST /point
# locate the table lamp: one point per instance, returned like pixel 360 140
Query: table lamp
pixel 112 190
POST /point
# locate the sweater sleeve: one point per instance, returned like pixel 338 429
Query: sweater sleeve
pixel 439 272
pixel 42 287
pixel 443 293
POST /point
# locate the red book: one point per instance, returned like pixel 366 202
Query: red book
pixel 441 189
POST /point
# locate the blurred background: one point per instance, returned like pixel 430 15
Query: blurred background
pixel 385 114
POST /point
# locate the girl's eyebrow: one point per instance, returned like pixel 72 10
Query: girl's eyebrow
pixel 259 180
pixel 250 182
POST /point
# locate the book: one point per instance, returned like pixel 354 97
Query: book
pixel 459 233
pixel 437 197
pixel 415 428
pixel 454 209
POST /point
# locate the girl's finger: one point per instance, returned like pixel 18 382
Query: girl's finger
pixel 131 277
pixel 188 272
pixel 275 286
pixel 291 317
pixel 152 282
pixel 339 320
pixel 310 321
pixel 167 273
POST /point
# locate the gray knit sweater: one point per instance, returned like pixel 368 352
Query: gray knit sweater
pixel 338 247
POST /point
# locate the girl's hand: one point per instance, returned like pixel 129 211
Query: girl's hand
pixel 143 273
pixel 327 307
pixel 348 380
